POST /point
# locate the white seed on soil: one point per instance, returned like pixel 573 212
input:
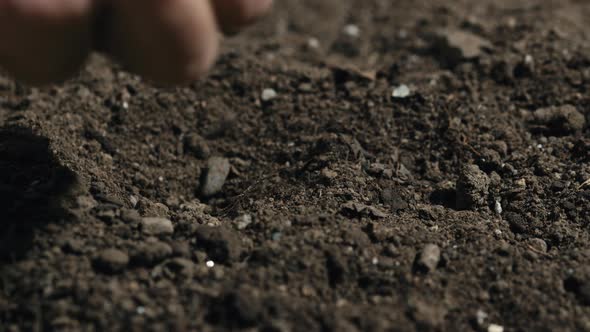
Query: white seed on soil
pixel 210 264
pixel 268 94
pixel 133 200
pixel 313 43
pixel 495 328
pixel 352 30
pixel 498 207
pixel 402 91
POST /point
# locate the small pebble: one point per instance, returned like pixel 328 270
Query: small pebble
pixel 268 94
pixel 520 184
pixel 538 244
pixel 243 221
pixel 214 176
pixel 156 226
pixel 305 87
pixel 429 258
pixel 276 236
pixel 401 92
pixel 111 260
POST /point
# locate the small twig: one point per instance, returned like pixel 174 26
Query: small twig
pixel 238 199
pixel 538 251
pixel 586 183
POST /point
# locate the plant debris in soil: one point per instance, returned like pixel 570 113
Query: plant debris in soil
pixel 299 188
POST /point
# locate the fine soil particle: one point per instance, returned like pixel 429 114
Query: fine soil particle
pixel 212 207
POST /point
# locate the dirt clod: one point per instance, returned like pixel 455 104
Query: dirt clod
pixel 111 261
pixel 197 146
pixel 151 253
pixel 562 120
pixel 453 46
pixel 241 308
pixel 221 243
pixel 429 316
pixel 472 188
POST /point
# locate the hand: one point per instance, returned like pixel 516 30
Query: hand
pixel 169 41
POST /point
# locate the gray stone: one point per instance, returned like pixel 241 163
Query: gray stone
pixel 214 176
pixel 156 226
pixel 538 244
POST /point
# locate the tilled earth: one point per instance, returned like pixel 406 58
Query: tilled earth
pixel 371 165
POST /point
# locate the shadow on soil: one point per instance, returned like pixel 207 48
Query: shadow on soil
pixel 32 188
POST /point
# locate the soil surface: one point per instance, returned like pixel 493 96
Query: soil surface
pixel 367 165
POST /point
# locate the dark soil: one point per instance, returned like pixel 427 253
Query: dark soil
pixel 461 205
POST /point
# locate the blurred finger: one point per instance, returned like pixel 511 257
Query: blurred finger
pixel 173 41
pixel 43 41
pixel 233 15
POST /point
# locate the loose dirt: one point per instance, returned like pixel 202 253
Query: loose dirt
pixel 460 204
